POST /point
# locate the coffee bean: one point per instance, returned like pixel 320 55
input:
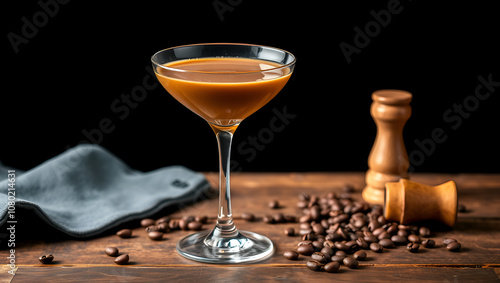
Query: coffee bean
pixel 163 227
pixel 381 219
pixel 428 243
pixel 359 255
pixel 454 246
pixel 369 237
pixel 45 259
pixel 317 244
pixel 413 247
pixel 164 219
pixel 304 242
pixel 348 188
pixel 341 218
pixel 384 235
pixel 314 265
pixel 333 237
pixel 147 222
pixel 461 207
pixel 378 231
pixel 268 219
pixel 320 257
pixel 305 226
pixel 274 204
pixel 393 229
pixel 111 251
pixel 374 224
pixel 341 246
pixel 305 218
pixel 447 241
pixel 377 209
pixel 290 231
pixel 278 218
pixel 352 246
pixel 123 259
pixel 302 204
pixel 318 229
pixel 331 267
pixel 409 228
pixel 402 233
pixel 155 235
pixel 329 243
pixel 376 247
pixel 305 249
pixel 248 216
pixel 195 225
pixel 326 250
pixel 358 222
pixel 399 240
pixel 424 232
pixel 173 224
pixel 307 235
pixel 291 255
pixel 154 228
pixel 362 243
pixel 342 233
pixel 386 243
pixel 337 258
pixel 188 218
pixel 350 262
pixel 341 253
pixel 183 224
pixel 315 212
pixel 124 233
pixel 203 219
pixel 290 218
pixel 414 239
pixel 304 196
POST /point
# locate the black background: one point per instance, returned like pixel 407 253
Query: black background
pixel 81 59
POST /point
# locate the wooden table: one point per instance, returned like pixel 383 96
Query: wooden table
pixel 84 260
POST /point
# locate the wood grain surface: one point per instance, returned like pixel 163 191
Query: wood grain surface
pixel 157 261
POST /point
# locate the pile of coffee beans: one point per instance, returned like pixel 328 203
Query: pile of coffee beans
pixel 155 229
pixel 336 230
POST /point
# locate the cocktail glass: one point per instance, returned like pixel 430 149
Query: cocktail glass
pixel 224 83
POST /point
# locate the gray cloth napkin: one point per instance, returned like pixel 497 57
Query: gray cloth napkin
pixel 87 190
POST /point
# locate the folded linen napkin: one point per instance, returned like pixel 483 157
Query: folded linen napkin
pixel 86 190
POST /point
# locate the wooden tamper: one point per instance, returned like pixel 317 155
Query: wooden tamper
pixel 388 160
pixel 407 202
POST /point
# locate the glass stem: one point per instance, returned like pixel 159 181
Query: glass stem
pixel 225 236
pixel 225 217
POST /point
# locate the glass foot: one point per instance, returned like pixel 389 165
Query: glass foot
pixel 245 247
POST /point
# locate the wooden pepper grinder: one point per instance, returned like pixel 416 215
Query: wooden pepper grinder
pixel 388 160
pixel 408 202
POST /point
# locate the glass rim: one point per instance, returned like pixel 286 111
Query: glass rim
pixel 223 73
